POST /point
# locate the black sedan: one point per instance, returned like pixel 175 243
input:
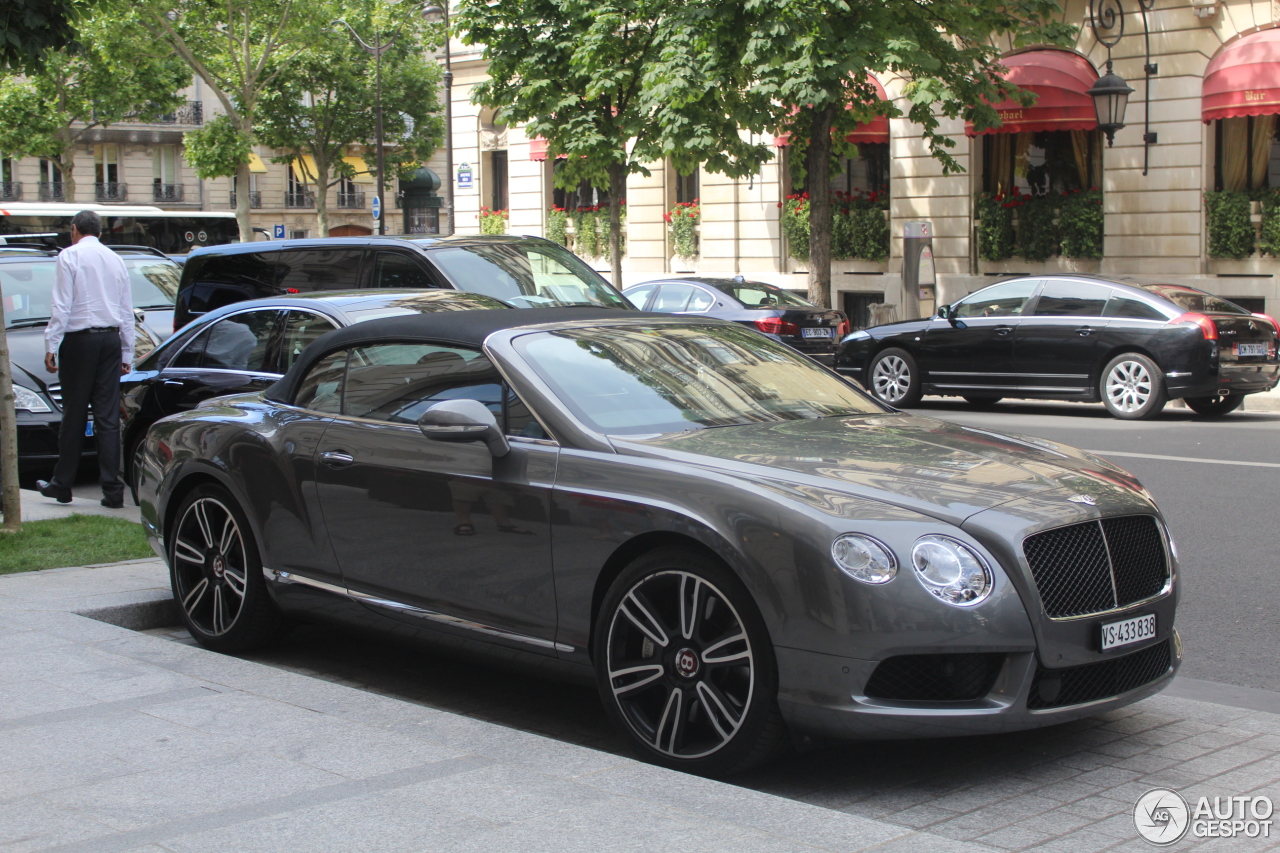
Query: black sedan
pixel 728 538
pixel 1131 346
pixel 247 346
pixel 766 308
pixel 26 279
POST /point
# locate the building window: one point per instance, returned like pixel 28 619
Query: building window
pixel 687 187
pixel 164 173
pixel 1041 162
pixel 494 177
pixel 866 172
pixel 106 164
pixel 583 195
pixel 1247 153
pixel 50 188
pixel 296 194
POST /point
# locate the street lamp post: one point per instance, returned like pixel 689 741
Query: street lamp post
pixel 377 48
pixel 436 15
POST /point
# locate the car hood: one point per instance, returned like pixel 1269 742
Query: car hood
pixel 26 356
pixel 936 468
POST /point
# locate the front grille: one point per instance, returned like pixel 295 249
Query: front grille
pixel 1075 685
pixel 934 678
pixel 55 393
pixel 1097 565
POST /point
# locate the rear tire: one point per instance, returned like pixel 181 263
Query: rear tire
pixel 983 402
pixel 1214 406
pixel 685 666
pixel 894 378
pixel 216 574
pixel 1132 387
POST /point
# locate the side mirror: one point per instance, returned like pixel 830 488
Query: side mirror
pixel 943 312
pixel 464 420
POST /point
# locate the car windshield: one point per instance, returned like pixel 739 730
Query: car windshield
pixel 755 294
pixel 652 380
pixel 28 287
pixel 527 274
pixel 154 282
pixel 1195 301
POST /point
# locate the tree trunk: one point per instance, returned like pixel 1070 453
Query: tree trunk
pixel 617 186
pixel 818 166
pixel 322 198
pixel 242 203
pixel 10 498
pixel 67 165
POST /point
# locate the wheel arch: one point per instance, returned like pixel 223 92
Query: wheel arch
pixel 192 477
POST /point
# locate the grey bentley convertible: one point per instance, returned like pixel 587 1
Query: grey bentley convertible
pixel 730 539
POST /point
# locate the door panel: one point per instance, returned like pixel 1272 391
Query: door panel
pixel 974 354
pixel 1060 345
pixel 233 356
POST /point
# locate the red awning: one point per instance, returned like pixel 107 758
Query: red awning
pixel 1061 80
pixel 537 148
pixel 876 130
pixel 1244 78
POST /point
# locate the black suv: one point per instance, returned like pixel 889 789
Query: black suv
pixel 523 272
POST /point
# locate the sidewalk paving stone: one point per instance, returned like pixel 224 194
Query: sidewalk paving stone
pixel 114 741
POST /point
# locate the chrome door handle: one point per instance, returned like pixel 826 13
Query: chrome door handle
pixel 172 382
pixel 337 458
pixel 1002 330
pixel 1084 331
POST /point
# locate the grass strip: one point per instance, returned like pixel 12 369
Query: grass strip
pixel 77 540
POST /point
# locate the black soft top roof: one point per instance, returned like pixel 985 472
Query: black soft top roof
pixel 463 328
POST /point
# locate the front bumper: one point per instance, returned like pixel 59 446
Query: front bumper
pixel 1016 701
pixel 38 439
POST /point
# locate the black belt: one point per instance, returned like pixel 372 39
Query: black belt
pixel 94 329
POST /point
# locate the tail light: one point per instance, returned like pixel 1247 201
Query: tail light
pixel 777 326
pixel 1209 330
pixel 844 328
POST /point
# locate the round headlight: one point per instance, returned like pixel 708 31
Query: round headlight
pixel 951 571
pixel 863 558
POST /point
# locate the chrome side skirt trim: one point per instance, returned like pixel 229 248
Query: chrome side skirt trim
pixel 1062 389
pixel 410 610
pixel 1035 375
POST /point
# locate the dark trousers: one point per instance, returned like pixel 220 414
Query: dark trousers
pixel 89 370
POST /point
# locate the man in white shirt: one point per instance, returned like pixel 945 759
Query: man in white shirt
pixel 89 344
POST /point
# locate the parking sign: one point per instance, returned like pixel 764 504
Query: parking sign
pixel 277 231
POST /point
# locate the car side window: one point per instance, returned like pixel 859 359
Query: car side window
pixel 672 298
pixel 321 389
pixel 398 382
pixel 1000 300
pixel 700 300
pixel 217 280
pixel 1129 308
pixel 393 269
pixel 638 296
pixel 300 329
pixel 1071 299
pixel 305 270
pixel 192 354
pixel 242 342
pixel 520 421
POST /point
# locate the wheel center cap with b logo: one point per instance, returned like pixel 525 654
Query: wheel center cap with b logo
pixel 219 566
pixel 687 663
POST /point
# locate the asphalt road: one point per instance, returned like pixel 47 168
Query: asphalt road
pixel 1218 483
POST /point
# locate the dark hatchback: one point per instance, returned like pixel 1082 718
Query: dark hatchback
pixel 766 308
pixel 523 272
pixel 1131 346
pixel 26 279
pixel 248 346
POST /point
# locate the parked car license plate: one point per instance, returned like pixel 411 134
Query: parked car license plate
pixel 1133 630
pixel 1251 349
pixel 88 427
pixel 817 332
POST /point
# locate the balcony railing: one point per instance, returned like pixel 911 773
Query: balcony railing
pixel 352 200
pixel 51 191
pixel 299 200
pixel 190 113
pixel 166 192
pixel 111 192
pixel 255 199
pixel 10 190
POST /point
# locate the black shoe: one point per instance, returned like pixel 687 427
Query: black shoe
pixel 49 490
pixel 113 503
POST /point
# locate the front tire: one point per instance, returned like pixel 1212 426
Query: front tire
pixel 894 378
pixel 216 574
pixel 1214 406
pixel 685 665
pixel 1132 387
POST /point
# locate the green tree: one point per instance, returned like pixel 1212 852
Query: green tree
pixel 806 64
pixel 611 86
pixel 114 74
pixel 324 100
pixel 31 29
pixel 238 48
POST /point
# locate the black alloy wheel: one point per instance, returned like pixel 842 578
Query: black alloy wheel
pixel 983 402
pixel 894 378
pixel 685 665
pixel 1132 387
pixel 216 574
pixel 1221 404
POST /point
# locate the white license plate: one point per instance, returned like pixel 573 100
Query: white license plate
pixel 816 333
pixel 1133 630
pixel 1251 349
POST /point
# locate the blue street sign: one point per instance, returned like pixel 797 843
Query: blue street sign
pixel 464 176
pixel 277 231
pixel 377 208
